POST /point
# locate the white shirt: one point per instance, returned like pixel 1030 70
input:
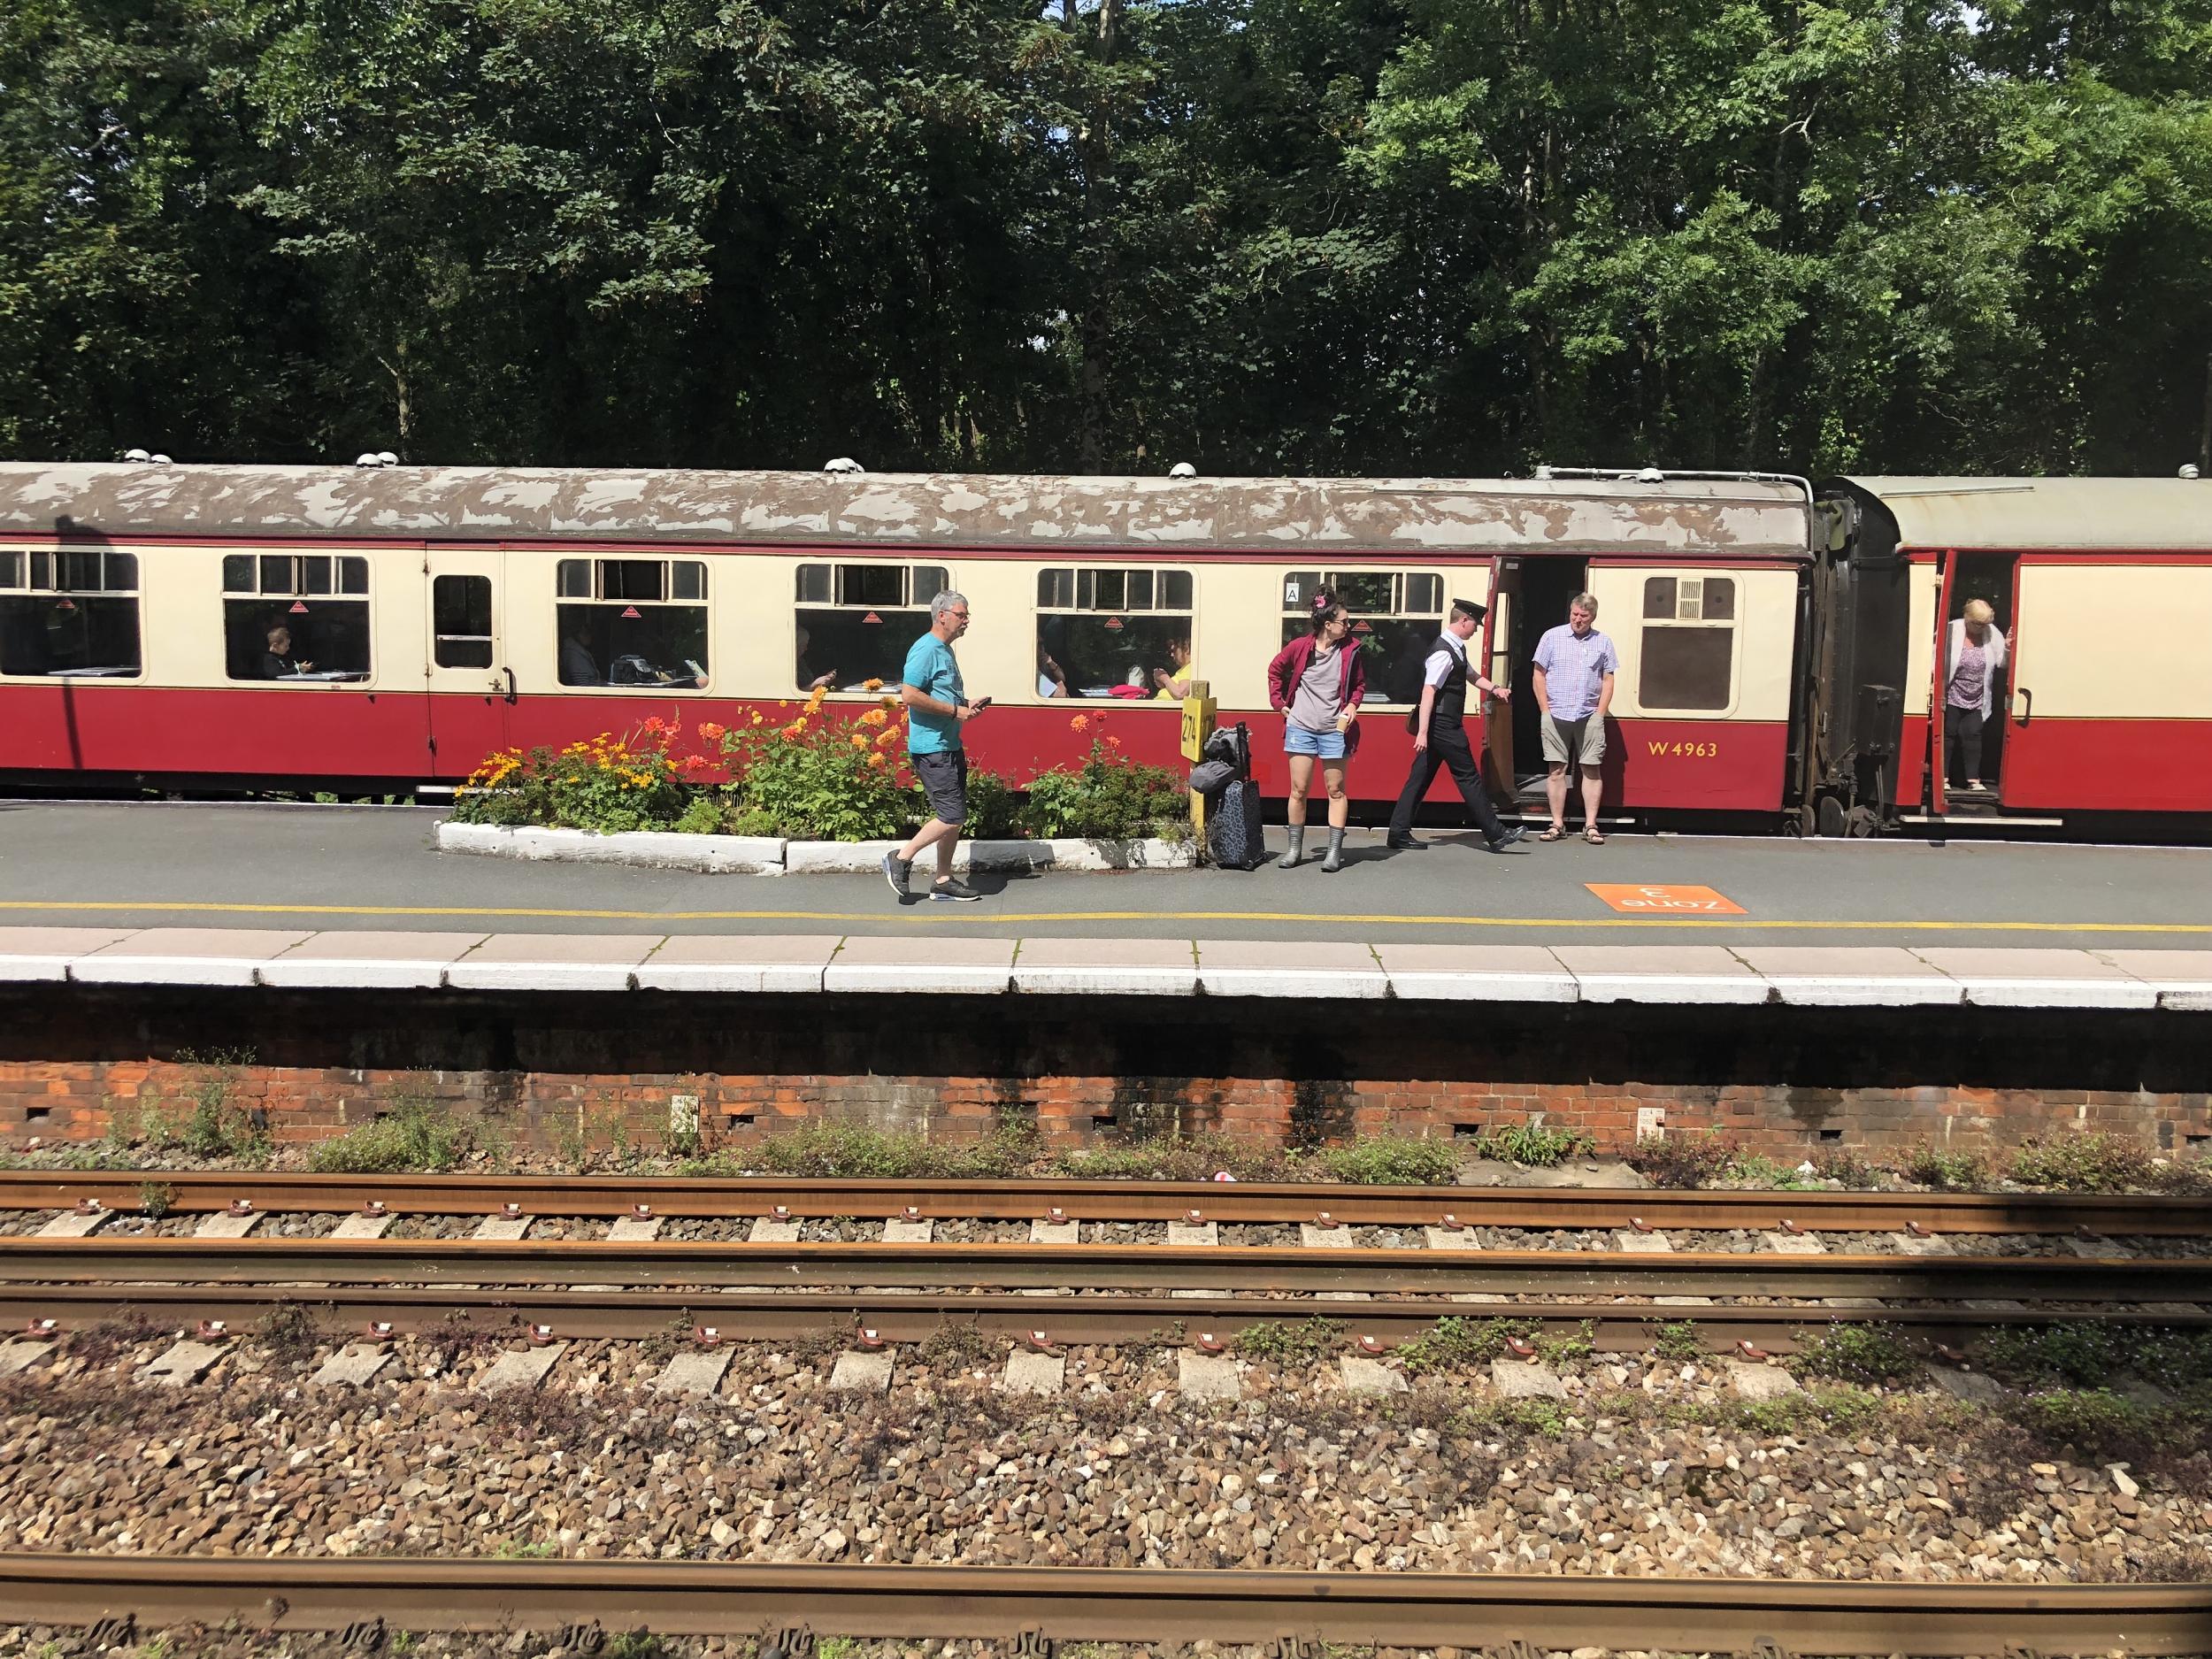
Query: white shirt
pixel 1449 658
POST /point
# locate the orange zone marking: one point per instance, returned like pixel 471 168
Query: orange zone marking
pixel 1665 901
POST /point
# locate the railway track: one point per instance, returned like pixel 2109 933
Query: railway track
pixel 194 1192
pixel 1485 1614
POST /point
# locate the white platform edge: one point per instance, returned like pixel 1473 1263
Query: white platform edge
pixel 25 969
pixel 777 979
pixel 1448 986
pixel 210 970
pixel 1879 991
pixel 1368 985
pixel 947 979
pixel 1106 981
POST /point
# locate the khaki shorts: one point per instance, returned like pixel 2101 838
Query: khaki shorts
pixel 1582 741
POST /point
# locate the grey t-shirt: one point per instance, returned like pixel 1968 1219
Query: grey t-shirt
pixel 1314 706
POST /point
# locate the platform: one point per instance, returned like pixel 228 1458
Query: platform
pixel 331 869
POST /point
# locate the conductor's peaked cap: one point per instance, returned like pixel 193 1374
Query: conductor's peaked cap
pixel 1468 607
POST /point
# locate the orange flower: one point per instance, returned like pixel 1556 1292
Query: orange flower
pixel 887 704
pixel 794 729
pixel 1082 723
pixel 874 717
pixel 1113 742
pixel 875 760
pixel 859 741
pixel 712 732
pixel 886 738
pixel 814 701
pixel 871 684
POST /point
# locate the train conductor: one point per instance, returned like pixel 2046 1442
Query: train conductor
pixel 1440 736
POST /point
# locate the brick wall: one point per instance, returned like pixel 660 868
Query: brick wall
pixel 1097 1071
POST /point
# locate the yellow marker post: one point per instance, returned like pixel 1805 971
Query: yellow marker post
pixel 1198 723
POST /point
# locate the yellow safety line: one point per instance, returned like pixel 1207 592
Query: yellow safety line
pixel 934 916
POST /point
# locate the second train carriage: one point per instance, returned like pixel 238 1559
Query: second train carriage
pixel 353 627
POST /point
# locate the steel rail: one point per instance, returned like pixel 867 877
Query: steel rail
pixel 912 1316
pixel 388 1262
pixel 1410 1609
pixel 195 1192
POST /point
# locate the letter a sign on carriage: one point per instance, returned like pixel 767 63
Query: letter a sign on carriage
pixel 1665 901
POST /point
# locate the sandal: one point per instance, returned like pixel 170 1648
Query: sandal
pixel 1593 838
pixel 1556 833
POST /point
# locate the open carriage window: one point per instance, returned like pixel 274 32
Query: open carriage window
pixel 69 613
pixel 1396 616
pixel 1113 632
pixel 295 618
pixel 856 622
pixel 632 624
pixel 1689 644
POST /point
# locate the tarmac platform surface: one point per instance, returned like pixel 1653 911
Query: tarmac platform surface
pixel 329 868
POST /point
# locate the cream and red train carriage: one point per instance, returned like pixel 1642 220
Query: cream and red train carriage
pixel 363 627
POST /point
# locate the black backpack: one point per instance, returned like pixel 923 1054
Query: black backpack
pixel 1235 834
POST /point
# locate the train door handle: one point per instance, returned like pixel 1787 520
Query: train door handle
pixel 510 683
pixel 2025 700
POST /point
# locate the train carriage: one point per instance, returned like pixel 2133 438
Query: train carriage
pixel 375 628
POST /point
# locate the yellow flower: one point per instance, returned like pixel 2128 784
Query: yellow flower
pixel 871 684
pixel 859 741
pixel 874 717
pixel 875 760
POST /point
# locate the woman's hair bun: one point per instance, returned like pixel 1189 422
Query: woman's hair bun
pixel 1323 602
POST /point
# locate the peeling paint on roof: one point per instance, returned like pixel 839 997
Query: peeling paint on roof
pixel 951 510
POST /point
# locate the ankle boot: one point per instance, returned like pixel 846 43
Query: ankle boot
pixel 1335 860
pixel 1289 860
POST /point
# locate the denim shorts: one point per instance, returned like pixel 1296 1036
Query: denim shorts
pixel 1327 745
pixel 944 778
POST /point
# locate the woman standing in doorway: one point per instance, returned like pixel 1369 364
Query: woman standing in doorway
pixel 1316 683
pixel 1977 652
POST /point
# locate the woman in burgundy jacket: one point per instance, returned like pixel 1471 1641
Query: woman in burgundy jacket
pixel 1316 683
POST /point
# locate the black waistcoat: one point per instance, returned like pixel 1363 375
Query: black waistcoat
pixel 1451 696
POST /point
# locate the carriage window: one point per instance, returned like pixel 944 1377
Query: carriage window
pixel 1689 642
pixel 72 613
pixel 296 617
pixel 631 623
pixel 461 621
pixel 1396 616
pixel 1112 633
pixel 857 622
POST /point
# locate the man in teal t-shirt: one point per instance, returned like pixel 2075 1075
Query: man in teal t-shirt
pixel 937 707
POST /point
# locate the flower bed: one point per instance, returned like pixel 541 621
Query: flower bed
pixel 816 778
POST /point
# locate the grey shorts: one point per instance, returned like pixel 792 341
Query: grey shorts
pixel 944 777
pixel 1572 741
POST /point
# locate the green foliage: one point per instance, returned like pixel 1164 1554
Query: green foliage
pixel 1678 1341
pixel 1293 1346
pixel 849 1150
pixel 156 1198
pixel 2094 1162
pixel 825 778
pixel 1385 1161
pixel 1530 1145
pixel 1948 1171
pixel 2084 1355
pixel 211 1127
pixel 415 1136
pixel 1175 1157
pixel 1847 1170
pixel 1865 1353
pixel 1106 795
pixel 1682 1161
pixel 1755 1170
pixel 1456 1344
pixel 640 1644
pixel 2097 1424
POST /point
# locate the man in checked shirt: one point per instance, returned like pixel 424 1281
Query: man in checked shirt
pixel 1575 665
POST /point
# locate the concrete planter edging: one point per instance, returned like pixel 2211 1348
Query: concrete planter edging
pixel 766 856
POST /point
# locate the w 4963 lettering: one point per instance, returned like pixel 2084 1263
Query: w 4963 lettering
pixel 1690 750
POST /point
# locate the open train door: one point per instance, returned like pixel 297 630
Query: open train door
pixel 472 690
pixel 1497 659
pixel 1939 675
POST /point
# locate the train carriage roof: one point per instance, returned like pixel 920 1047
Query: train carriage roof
pixel 1405 517
pixel 2033 514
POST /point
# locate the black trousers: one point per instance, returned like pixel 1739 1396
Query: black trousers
pixel 1447 747
pixel 1963 743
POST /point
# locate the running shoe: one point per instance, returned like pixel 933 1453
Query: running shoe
pixel 896 871
pixel 953 890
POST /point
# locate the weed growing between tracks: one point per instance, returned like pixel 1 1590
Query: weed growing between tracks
pixel 414 1136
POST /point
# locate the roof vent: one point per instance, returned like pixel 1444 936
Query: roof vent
pixel 2189 471
pixel 1542 473
pixel 1651 475
pixel 844 463
pixel 139 456
pixel 1182 469
pixel 385 457
pixel 368 458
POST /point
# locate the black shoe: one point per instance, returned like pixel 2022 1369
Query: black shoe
pixel 953 890
pixel 1405 844
pixel 897 870
pixel 1507 836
